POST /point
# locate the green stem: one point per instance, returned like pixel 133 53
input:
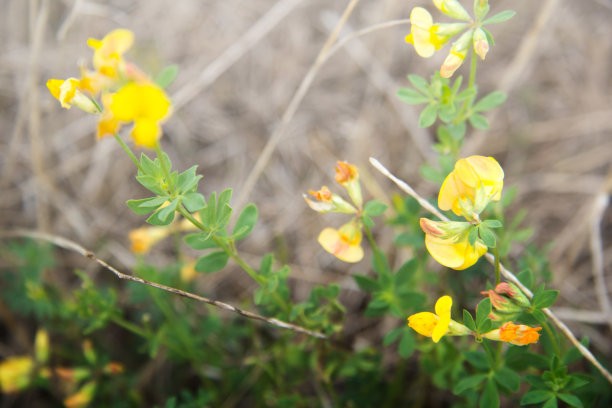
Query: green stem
pixel 471 84
pixel 497 267
pixel 379 262
pixel 128 151
pixel 164 167
pixel 553 339
pixel 129 326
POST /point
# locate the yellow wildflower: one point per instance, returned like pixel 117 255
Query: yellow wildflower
pixel 517 334
pixel 449 245
pixel 146 104
pixel 344 243
pixel 68 92
pixel 326 201
pixel 437 325
pixel 142 239
pixel 15 373
pixel 456 55
pixel 108 52
pixel 423 33
pixel 459 190
pixel 347 176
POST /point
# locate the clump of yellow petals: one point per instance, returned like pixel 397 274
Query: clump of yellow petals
pixel 517 334
pixel 344 243
pixel 68 93
pixel 433 325
pixel 448 244
pixel 108 52
pixel 145 104
pixel 15 373
pixel 459 189
pixel 423 33
pixel 143 239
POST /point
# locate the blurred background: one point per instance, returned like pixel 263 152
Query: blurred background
pixel 241 62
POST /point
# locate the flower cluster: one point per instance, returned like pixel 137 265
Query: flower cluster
pixel 126 94
pixel 440 324
pixel 428 37
pixel 344 243
pixel 507 300
pixel 466 191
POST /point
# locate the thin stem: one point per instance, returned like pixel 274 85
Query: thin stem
pixel 164 166
pixel 377 258
pixel 467 105
pixel 128 151
pixel 497 269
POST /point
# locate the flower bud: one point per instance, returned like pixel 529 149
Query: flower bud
pixel 347 176
pixel 481 44
pixel 517 334
pixel 328 202
pixel 457 55
pixel 452 8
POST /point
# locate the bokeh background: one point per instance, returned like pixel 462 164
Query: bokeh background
pixel 241 62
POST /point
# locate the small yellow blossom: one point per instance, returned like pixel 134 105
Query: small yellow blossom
pixel 146 104
pixel 456 55
pixel 459 190
pixel 517 334
pixel 439 324
pixel 347 176
pixel 108 52
pixel 423 33
pixel 344 243
pixel 481 43
pixel 15 373
pixel 142 239
pixel 449 246
pixel 68 93
pixel 452 8
pixel 326 201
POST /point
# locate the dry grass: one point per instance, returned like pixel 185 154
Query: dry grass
pixel 552 135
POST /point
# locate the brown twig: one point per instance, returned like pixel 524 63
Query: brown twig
pixel 507 273
pixel 73 246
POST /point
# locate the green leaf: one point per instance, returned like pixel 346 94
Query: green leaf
pixel 374 208
pixel 478 359
pixel 482 312
pixel 447 112
pixel 412 97
pixel 200 241
pixel 265 267
pixel 152 184
pixel 428 115
pixel 406 272
pixel 188 180
pixel 367 220
pixel 487 236
pixel 490 395
pixel 551 403
pixel 466 93
pixel 194 201
pixel 577 380
pixel 212 262
pixel 420 84
pixel 489 101
pixel 146 205
pixel 246 222
pixel 392 336
pixel 166 76
pixel 468 320
pixel 366 283
pixel 570 399
pixel 478 121
pixel 406 345
pixel 526 278
pixel 508 378
pixel 545 299
pixel 148 166
pixel 469 383
pixel 473 235
pixel 500 17
pixel 223 216
pixel 165 215
pixel 536 396
pixel 493 223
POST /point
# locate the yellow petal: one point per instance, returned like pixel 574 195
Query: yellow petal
pixel 423 323
pixel 457 255
pixel 443 310
pixel 146 132
pixel 421 22
pixel 340 246
pixel 54 87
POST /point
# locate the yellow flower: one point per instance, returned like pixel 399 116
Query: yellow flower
pixel 188 271
pixel 146 104
pixel 481 44
pixel 453 9
pixel 456 55
pixel 69 92
pixel 448 244
pixel 345 243
pixel 433 325
pixel 142 239
pixel 15 373
pixel 347 176
pixel 423 33
pixel 328 202
pixel 473 183
pixel 517 334
pixel 108 52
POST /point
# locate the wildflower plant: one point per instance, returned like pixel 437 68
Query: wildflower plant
pixel 477 332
